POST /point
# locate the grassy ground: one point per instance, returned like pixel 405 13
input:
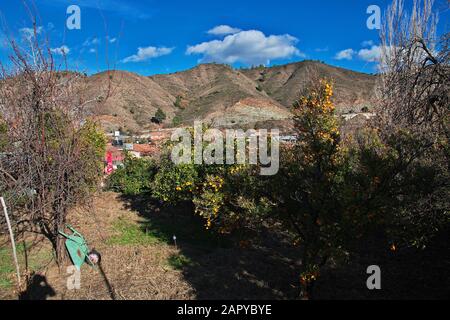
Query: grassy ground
pixel 132 234
pixel 31 259
pixel 140 260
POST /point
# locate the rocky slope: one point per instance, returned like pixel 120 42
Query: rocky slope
pixel 219 94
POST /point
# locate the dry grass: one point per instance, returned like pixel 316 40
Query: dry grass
pixel 140 261
pixel 136 271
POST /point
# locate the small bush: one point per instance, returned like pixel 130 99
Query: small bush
pixel 178 103
pixel 3 135
pixel 179 262
pixel 135 178
pixel 160 116
pixel 176 121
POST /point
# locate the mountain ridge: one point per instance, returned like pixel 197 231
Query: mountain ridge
pixel 221 95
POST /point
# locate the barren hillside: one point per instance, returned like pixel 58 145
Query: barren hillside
pixel 353 90
pixel 219 94
pixel 133 100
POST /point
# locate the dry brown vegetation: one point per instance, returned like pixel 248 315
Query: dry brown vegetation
pixel 137 265
pixel 210 92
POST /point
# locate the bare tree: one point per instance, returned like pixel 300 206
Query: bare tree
pixel 414 115
pixel 415 75
pixel 53 157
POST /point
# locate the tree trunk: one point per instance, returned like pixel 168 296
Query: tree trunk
pixel 61 252
pixel 307 291
pixel 60 246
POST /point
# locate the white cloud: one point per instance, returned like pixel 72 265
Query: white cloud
pixel 249 47
pixel 367 43
pixel 326 49
pixel 28 33
pixel 223 30
pixel 63 50
pixel 112 40
pixel 371 55
pixel 346 54
pixel 148 53
pixel 91 42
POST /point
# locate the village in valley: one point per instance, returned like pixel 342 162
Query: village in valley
pixel 149 143
pixel 144 144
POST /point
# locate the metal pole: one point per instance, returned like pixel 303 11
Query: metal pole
pixel 13 243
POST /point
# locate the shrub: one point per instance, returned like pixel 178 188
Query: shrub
pixel 178 102
pixel 174 184
pixel 159 117
pixel 3 135
pixel 134 178
pixel 221 194
pixel 93 148
pixel 400 185
pixel 176 121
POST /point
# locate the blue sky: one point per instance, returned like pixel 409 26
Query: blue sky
pixel 151 37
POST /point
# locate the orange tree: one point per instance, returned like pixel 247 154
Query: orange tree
pixel 398 186
pixel 221 194
pixel 135 177
pixel 305 194
pixel 307 189
pixel 330 193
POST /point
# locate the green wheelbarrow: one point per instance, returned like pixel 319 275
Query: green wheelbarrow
pixel 78 249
